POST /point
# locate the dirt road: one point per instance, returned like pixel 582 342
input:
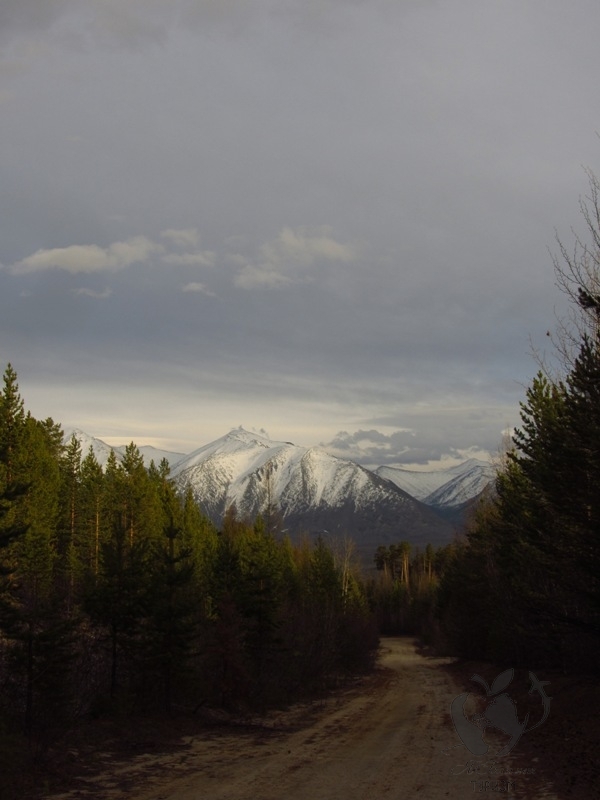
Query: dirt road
pixel 388 737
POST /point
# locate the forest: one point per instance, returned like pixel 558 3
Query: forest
pixel 118 596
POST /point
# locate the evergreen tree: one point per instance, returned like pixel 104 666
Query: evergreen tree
pixel 172 622
pixel 12 424
pixel 118 599
pixel 93 512
pixel 12 482
pixel 70 543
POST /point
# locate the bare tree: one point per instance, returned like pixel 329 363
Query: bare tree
pixel 577 273
pixel 344 554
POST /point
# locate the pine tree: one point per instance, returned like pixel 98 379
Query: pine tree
pixel 171 625
pixel 118 598
pixel 93 512
pixel 12 423
pixel 12 483
pixel 70 534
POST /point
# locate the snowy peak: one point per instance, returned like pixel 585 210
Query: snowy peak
pixel 244 467
pixel 464 486
pixel 238 443
pixel 447 488
pixel 313 490
pixel 417 484
pixel 102 450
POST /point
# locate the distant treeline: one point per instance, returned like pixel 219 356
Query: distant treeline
pixel 118 594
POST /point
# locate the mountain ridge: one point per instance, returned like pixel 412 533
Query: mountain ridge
pixel 314 491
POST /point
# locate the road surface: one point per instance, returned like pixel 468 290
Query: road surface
pixel 390 737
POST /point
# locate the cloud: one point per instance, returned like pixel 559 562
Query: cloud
pixel 289 258
pixel 253 277
pixel 185 238
pixel 100 295
pixel 406 446
pixel 27 15
pixel 198 287
pixel 117 256
pixel 199 259
pixel 133 23
pixel 127 25
pixel 374 447
pixel 89 258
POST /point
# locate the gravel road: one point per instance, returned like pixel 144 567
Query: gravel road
pixel 388 737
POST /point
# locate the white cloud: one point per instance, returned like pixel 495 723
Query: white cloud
pixel 198 287
pixel 187 239
pixel 409 447
pixel 184 238
pixel 119 255
pixel 89 258
pixel 252 277
pixel 288 258
pixel 200 259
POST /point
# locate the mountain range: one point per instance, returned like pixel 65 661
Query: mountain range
pixel 449 491
pixel 315 492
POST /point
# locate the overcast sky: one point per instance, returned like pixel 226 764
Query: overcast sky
pixel 326 218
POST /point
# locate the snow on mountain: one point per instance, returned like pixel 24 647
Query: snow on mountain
pixel 447 488
pixel 245 468
pixel 417 484
pixel 466 484
pixel 103 450
pixel 313 490
pixel 150 453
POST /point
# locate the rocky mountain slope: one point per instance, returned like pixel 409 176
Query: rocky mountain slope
pixel 448 488
pixel 314 491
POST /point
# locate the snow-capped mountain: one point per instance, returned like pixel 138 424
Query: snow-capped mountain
pixel 314 491
pixel 103 450
pixel 100 449
pixel 448 488
pixel 418 484
pixel 470 479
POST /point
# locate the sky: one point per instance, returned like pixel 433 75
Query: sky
pixel 332 220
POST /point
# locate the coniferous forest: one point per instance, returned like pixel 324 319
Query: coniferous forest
pixel 119 596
